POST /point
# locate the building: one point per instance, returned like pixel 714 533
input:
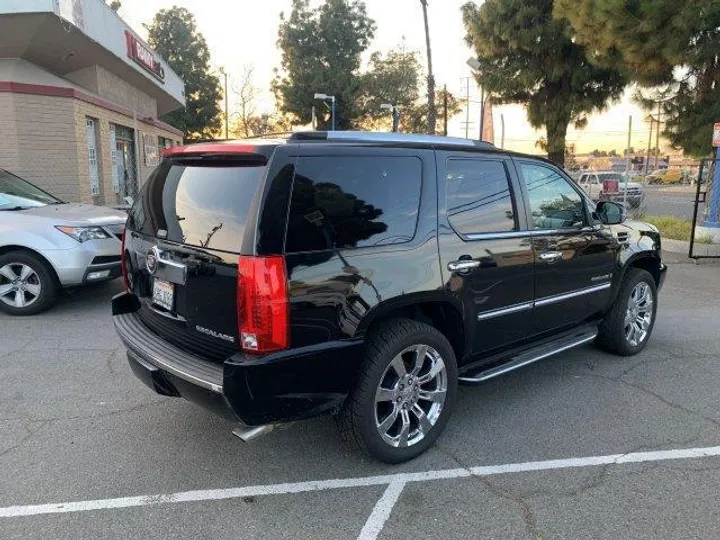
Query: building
pixel 80 96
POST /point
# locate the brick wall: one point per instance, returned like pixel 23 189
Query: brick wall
pixel 46 143
pixel 42 139
pixel 8 134
pixel 104 118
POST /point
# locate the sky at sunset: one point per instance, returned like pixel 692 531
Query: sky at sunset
pixel 243 32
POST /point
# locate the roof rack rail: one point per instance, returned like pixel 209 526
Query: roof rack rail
pixel 384 137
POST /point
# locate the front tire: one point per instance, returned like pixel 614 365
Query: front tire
pixel 27 284
pixel 628 325
pixel 405 392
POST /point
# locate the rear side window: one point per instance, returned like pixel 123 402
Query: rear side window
pixel 478 196
pixel 353 201
pixel 204 205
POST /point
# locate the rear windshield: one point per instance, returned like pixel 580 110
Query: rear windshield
pixel 198 204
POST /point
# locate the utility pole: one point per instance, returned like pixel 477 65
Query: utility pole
pixel 222 70
pixel 502 130
pixel 647 158
pixel 482 112
pixel 445 111
pixel 467 109
pixel 657 137
pixel 627 162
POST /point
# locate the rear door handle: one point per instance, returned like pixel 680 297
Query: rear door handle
pixel 550 256
pixel 462 265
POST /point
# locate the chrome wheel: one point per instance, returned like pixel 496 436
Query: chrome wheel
pixel 19 285
pixel 410 396
pixel 639 314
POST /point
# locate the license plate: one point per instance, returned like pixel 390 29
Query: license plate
pixel 163 294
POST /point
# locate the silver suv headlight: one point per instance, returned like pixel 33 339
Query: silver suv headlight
pixel 83 234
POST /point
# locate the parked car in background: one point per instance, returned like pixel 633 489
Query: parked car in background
pixel 364 275
pixel 667 176
pixel 47 244
pixel 611 186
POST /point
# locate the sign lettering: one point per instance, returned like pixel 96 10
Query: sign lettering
pixel 143 56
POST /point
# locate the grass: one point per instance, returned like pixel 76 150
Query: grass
pixel 677 228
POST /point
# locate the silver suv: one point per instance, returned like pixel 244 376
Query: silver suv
pixel 47 244
pixel 594 184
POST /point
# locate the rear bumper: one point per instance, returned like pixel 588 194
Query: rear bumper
pixel 293 385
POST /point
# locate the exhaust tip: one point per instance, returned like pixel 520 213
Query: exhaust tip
pixel 247 434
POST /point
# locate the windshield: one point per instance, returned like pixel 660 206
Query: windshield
pixel 612 176
pixel 16 193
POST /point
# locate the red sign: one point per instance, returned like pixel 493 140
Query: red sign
pixel 144 56
pixel 610 186
pixel 716 135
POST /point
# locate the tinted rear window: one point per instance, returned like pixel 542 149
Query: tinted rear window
pixel 353 201
pixel 197 204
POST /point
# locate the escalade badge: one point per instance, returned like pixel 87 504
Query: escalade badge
pixel 151 260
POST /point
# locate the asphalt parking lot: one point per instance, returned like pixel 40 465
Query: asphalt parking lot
pixel 675 201
pixel 582 445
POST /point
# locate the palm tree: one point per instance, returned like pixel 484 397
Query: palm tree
pixel 432 113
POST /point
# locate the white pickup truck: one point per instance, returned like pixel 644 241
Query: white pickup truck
pixel 611 186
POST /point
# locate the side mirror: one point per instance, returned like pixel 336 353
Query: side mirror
pixel 610 213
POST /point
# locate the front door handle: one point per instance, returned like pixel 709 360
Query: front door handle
pixel 550 256
pixel 462 265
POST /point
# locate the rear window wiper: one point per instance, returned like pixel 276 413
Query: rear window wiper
pixel 13 209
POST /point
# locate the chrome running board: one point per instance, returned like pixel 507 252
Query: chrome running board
pixel 530 357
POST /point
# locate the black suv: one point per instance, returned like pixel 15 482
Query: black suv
pixel 364 274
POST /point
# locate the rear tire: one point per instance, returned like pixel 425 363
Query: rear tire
pixel 27 284
pixel 628 325
pixel 405 392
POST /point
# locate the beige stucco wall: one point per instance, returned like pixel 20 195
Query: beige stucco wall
pixel 115 89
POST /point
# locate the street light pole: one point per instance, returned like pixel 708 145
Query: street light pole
pixel 395 110
pixel 325 98
pixel 482 112
pixel 222 70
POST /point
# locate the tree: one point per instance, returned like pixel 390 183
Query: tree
pixel 321 53
pixel 174 35
pixel 417 118
pixel 528 57
pixel 395 79
pixel 115 5
pixel 246 93
pixel 432 113
pixel 659 42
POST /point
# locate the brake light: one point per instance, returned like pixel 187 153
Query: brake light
pixel 123 267
pixel 262 304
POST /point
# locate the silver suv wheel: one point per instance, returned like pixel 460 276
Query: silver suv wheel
pixel 20 285
pixel 639 314
pixel 410 396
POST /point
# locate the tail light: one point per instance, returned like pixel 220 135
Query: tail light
pixel 123 266
pixel 262 304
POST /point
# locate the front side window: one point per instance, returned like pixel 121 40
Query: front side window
pixel 478 196
pixel 554 204
pixel 353 201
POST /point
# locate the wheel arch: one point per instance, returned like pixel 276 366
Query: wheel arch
pixel 440 311
pixel 12 247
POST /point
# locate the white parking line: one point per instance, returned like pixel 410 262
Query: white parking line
pixel 324 485
pixel 380 514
